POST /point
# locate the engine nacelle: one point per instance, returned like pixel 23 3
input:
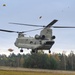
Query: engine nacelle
pixel 53 37
pixel 39 37
pixel 42 36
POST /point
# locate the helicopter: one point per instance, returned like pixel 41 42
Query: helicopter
pixel 43 41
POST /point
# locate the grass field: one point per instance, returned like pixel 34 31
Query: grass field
pixel 5 72
pixel 21 71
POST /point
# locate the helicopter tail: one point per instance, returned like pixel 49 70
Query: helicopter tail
pixel 47 32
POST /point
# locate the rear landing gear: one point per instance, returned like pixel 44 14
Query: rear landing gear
pixel 21 50
pixel 49 51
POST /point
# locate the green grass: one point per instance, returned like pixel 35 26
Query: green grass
pixel 9 72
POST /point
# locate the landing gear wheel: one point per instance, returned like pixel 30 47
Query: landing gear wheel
pixel 21 50
pixel 36 51
pixel 33 51
pixel 49 51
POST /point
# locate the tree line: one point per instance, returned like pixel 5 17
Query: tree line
pixel 54 61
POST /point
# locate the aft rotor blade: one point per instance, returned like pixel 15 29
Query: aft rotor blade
pixel 8 31
pixel 51 23
pixel 63 26
pixel 27 24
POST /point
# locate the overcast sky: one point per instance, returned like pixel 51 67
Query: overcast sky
pixel 29 11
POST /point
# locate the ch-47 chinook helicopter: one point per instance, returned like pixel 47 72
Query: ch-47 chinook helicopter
pixel 43 41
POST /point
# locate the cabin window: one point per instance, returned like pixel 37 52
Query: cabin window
pixel 35 43
pixel 31 42
pixel 26 39
pixel 40 42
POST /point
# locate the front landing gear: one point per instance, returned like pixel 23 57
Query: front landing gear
pixel 21 50
pixel 34 51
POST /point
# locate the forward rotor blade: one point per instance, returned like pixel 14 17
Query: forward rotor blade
pixel 8 31
pixel 63 26
pixel 27 24
pixel 32 30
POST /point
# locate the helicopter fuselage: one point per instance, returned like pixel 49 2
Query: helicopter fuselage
pixel 33 43
pixel 44 41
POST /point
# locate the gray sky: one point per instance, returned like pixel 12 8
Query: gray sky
pixel 29 11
